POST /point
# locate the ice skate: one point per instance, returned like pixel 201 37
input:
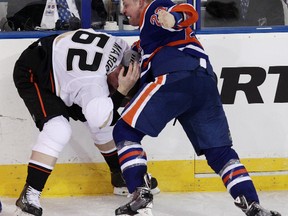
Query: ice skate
pixel 28 202
pixel 154 186
pixel 120 186
pixel 141 203
pixel 253 209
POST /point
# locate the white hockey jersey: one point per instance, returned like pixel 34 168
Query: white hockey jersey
pixel 81 61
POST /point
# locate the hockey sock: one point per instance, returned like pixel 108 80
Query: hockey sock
pixel 112 160
pixel 38 174
pixel 132 158
pixel 237 181
pixel 133 162
pixel 225 162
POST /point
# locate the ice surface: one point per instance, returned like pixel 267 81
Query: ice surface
pixel 165 204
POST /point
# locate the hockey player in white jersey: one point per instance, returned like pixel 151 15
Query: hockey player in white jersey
pixel 69 76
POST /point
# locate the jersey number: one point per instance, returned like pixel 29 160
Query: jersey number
pixel 87 38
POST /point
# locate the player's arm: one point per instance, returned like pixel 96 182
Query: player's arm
pixel 177 17
pixel 125 84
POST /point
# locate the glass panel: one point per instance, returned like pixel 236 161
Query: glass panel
pixel 234 13
pixel 26 15
pixel 3 14
pixel 99 14
pixel 22 15
pixel 114 20
pixel 29 15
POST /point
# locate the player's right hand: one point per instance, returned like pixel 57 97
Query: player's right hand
pixel 166 19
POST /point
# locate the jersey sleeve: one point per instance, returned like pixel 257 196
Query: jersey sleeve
pixel 188 17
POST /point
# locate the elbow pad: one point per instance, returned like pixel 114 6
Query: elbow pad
pixel 99 112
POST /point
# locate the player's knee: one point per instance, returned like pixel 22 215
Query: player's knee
pixel 55 135
pixel 218 157
pixel 58 129
pixel 122 131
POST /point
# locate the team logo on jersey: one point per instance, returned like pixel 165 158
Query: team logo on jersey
pixel 154 17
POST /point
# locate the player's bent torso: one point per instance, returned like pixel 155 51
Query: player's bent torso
pixel 81 60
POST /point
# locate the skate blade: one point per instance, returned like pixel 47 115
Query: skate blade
pixel 155 191
pixel 19 212
pixel 142 212
pixel 145 211
pixel 121 191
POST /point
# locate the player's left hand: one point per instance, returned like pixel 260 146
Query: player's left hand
pixel 166 19
pixel 127 81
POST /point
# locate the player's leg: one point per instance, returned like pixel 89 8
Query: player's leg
pixel 47 111
pixel 51 140
pixel 134 125
pixel 130 129
pixel 109 153
pixel 103 141
pixel 208 131
pixel 133 162
pixel 225 162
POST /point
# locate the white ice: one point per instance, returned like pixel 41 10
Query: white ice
pixel 165 204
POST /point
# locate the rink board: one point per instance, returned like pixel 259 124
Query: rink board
pixel 258 124
pixel 269 174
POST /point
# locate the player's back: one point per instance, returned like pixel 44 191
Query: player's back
pixel 81 59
